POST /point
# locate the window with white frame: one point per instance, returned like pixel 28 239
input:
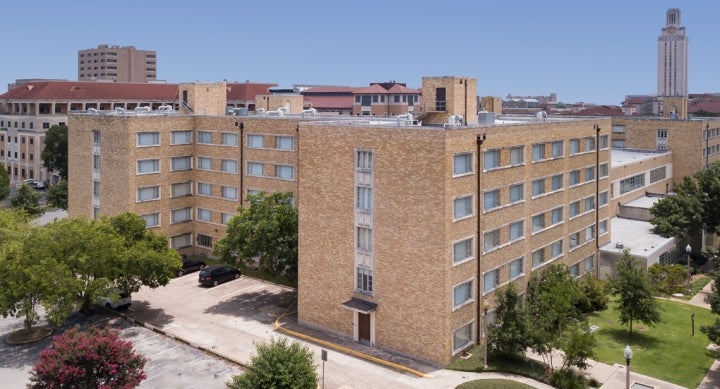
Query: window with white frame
pixel 151 219
pixel 603 227
pixel 181 215
pixel 538 257
pixel 574 240
pixel 589 233
pixel 204 214
pixel 589 203
pixel 364 239
pixel 589 144
pixel 96 161
pixel 538 187
pixel 603 170
pixel 96 136
pixel 204 137
pixel 556 215
pixel 148 193
pixel 180 241
pixel 557 181
pixel 364 282
pixel 364 198
pixel 462 294
pixel 462 250
pixel 491 280
pixel 491 199
pixel 558 149
pixel 364 160
pixel 517 268
pixel 574 270
pixel 284 142
pixel 229 139
pixel 517 230
pixel 462 337
pixel 491 159
pixel 491 240
pixel 225 217
pixel 574 146
pixel 462 164
pixel 462 207
pixel 229 192
pixel 146 166
pixel 658 174
pixel 229 166
pixel 204 240
pixel 255 141
pixel 204 189
pixel 589 173
pixel 632 183
pixel 574 177
pixel 517 193
pixel 603 142
pixel 180 163
pixel 181 189
pixel 517 155
pixel 556 249
pixel 538 222
pixel 589 263
pixel 285 172
pixel 538 152
pixel 145 139
pixel 255 169
pixel 618 143
pixel 181 137
pixel 574 209
pixel 204 163
pixel 603 199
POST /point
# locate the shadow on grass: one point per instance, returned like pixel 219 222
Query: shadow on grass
pixel 622 336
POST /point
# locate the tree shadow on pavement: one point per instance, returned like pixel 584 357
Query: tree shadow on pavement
pixel 263 306
pixel 141 311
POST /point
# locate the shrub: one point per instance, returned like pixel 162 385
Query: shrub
pixel 279 364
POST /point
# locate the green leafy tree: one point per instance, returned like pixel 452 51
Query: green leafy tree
pixel 592 294
pixel 508 335
pixel 97 358
pixel 57 195
pixel 55 153
pixel 280 365
pixel 26 199
pixel 679 215
pixel 636 301
pixel 709 183
pixel 668 279
pixel 713 331
pixel 4 184
pixel 267 229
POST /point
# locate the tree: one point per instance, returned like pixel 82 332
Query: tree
pixel 26 199
pixel 4 184
pixel 709 182
pixel 97 358
pixel 592 294
pixel 55 153
pixel 668 279
pixel 268 229
pixel 508 335
pixel 679 215
pixel 279 364
pixel 636 300
pixel 57 195
pixel 713 331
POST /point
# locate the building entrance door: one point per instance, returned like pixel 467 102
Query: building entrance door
pixel 364 327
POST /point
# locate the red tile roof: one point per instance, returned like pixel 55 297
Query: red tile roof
pixel 247 90
pixel 79 90
pixel 398 89
pixel 374 89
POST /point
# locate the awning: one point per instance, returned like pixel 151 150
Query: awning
pixel 359 305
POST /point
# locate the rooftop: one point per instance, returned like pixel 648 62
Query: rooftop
pixel 636 236
pixel 621 157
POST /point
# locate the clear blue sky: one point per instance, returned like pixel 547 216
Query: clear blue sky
pixel 592 51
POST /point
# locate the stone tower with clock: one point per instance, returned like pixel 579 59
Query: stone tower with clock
pixel 673 67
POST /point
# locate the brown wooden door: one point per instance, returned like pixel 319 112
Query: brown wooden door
pixel 364 327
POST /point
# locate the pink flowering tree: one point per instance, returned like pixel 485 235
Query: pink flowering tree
pixel 97 358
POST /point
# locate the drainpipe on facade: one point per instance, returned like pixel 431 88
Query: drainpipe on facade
pixel 480 139
pixel 597 200
pixel 241 126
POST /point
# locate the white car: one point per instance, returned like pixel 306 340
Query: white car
pixel 117 299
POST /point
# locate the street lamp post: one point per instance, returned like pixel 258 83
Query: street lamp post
pixel 688 249
pixel 628 356
pixel 484 334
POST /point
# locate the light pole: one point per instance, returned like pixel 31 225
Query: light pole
pixel 688 249
pixel 485 337
pixel 628 356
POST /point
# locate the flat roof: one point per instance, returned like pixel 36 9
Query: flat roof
pixel 636 236
pixel 619 157
pixel 643 202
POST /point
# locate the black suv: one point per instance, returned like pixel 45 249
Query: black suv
pixel 190 265
pixel 216 274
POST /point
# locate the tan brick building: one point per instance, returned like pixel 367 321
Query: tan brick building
pixel 117 64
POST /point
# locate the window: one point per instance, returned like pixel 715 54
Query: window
pixel 364 198
pixel 556 215
pixel 557 181
pixel 575 270
pixel 204 163
pixel 96 186
pixel 538 222
pixel 574 177
pixel 491 199
pixel 181 189
pixel 517 155
pixel 538 187
pixel 602 199
pixel 589 203
pixel 574 209
pixel 204 240
pixel 574 146
pixel 180 163
pixel 491 240
pixel 151 220
pixel 618 143
pixel 229 192
pixel 491 280
pixel 517 192
pixel 364 239
pixel 285 172
pixel 517 268
pixel 603 142
pixel 225 217
pixel 462 164
pixel 204 214
pixel 618 129
pixel 204 137
pixel 180 241
pixel 538 152
pixel 631 183
pixel 589 144
pixel 517 230
pixel 556 249
pixel 148 139
pixel 255 141
pixel 589 173
pixel 462 250
pixel 589 263
pixel 603 170
pixel 658 174
pixel 229 139
pixel 462 207
pixel 364 280
pixel 538 257
pixel 589 233
pixel 462 337
pixel 148 166
pixel 284 143
pixel 364 160
pixel 492 159
pixel 181 137
pixel 602 227
pixel 181 215
pixel 255 169
pixel 462 294
pixel 204 189
pixel 229 166
pixel 574 240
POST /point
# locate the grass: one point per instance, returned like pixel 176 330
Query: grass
pixel 667 351
pixel 494 384
pixel 525 367
pixel 696 285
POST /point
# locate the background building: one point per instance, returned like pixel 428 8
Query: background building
pixel 117 64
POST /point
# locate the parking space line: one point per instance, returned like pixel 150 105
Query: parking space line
pixel 160 352
pixel 243 290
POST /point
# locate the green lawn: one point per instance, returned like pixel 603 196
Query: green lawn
pixel 494 384
pixel 667 351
